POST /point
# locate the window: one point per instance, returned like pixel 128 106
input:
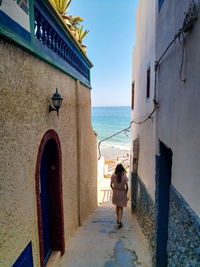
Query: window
pixel 148 83
pixel 160 3
pixel 133 94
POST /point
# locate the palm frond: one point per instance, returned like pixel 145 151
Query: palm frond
pixel 81 33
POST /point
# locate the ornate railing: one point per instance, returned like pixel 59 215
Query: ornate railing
pixel 57 45
pixel 43 33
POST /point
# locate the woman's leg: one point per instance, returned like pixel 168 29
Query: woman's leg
pixel 117 212
pixel 120 212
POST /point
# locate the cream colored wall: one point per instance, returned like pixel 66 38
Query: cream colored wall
pixel 143 57
pixel 27 84
pixel 88 155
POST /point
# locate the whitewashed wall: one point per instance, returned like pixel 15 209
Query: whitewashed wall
pixel 14 11
pixel 179 113
pixel 143 57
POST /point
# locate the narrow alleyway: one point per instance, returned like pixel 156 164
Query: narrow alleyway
pixel 99 243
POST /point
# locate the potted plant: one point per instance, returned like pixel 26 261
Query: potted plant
pixel 81 35
pixel 84 48
pixel 61 5
pixel 75 23
pixel 72 22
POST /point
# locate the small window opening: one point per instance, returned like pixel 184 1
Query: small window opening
pixel 148 83
pixel 160 3
pixel 133 94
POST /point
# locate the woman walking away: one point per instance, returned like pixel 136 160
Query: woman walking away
pixel 119 185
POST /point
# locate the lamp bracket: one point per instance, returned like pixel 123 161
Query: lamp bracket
pixel 53 109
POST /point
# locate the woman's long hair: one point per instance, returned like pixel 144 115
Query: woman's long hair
pixel 119 171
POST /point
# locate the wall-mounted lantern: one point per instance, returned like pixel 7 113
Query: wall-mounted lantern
pixel 57 102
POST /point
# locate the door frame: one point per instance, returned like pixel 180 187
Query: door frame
pixel 50 135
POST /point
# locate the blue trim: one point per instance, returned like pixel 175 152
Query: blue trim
pixel 48 52
pixel 160 3
pixel 26 257
pixel 14 26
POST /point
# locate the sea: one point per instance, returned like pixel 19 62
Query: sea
pixel 107 121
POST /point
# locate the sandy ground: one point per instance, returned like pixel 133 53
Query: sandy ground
pixel 99 242
pixel 112 157
pixel 114 153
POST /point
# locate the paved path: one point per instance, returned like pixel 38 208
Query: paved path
pixel 99 243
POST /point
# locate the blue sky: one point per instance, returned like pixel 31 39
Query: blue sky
pixel 110 45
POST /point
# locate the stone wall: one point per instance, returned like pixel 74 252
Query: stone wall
pixel 134 173
pixel 145 215
pixel 183 233
pixel 27 85
pixel 134 190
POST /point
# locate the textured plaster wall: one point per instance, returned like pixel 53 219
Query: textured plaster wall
pixel 144 57
pixel 27 84
pixel 178 116
pixel 88 156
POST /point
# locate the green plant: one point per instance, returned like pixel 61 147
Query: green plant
pixel 81 33
pixel 75 21
pixel 61 5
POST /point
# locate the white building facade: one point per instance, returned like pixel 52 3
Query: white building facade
pixel 166 147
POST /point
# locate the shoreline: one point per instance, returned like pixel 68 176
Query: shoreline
pixel 111 157
pixel 112 152
pixel 116 155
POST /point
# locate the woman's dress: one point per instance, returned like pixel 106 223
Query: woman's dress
pixel 119 197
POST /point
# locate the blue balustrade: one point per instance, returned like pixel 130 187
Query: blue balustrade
pixel 55 43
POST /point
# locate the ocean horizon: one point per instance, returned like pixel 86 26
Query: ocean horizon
pixel 108 120
pixel 110 106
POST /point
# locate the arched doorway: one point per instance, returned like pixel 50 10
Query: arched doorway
pixel 49 196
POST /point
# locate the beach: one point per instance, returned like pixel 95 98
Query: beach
pixel 113 153
pixel 107 121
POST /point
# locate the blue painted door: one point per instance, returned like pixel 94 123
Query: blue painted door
pixel 45 203
pixel 163 182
